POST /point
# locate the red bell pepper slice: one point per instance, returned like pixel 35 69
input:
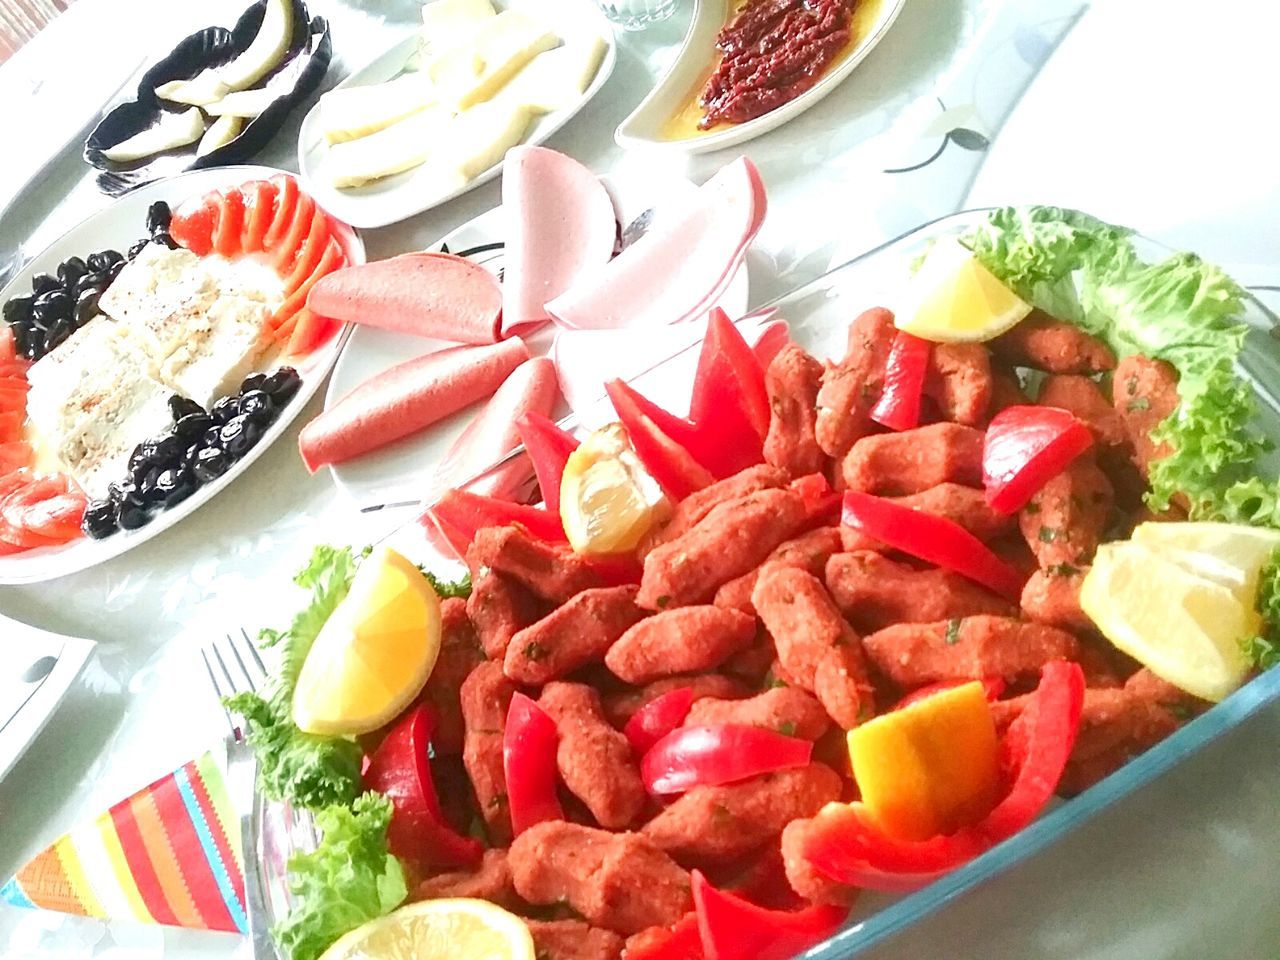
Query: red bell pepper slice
pixel 657 718
pixel 549 448
pixel 671 464
pixel 728 370
pixel 1025 448
pixel 681 942
pixel 849 847
pixel 1036 748
pixel 735 929
pixel 716 754
pixel 466 513
pixel 529 761
pixel 934 539
pixel 821 503
pixel 399 770
pixel 904 373
pixel 993 687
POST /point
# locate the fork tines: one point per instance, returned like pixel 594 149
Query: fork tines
pixel 239 669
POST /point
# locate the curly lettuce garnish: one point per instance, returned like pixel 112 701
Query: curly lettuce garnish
pixel 350 879
pixel 1180 310
pixel 1263 650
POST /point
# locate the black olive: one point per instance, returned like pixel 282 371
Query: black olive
pixel 34 347
pixel 211 463
pixel 55 336
pixel 181 406
pixel 212 438
pixel 138 247
pixel 239 434
pixel 192 426
pixel 224 409
pixel 44 283
pixel 70 271
pixel 254 381
pixel 257 405
pixel 133 515
pixel 99 262
pixel 90 281
pixel 169 450
pixel 114 270
pixel 164 237
pixel 18 309
pixel 101 519
pixel 190 454
pixel 118 491
pixel 27 338
pixel 173 485
pixel 86 306
pixel 282 385
pixel 158 216
pixel 147 493
pixel 51 306
pixel 142 459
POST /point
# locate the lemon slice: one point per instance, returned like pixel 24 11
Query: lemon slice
pixel 955 299
pixel 438 930
pixel 608 501
pixel 1186 628
pixel 374 653
pixel 1232 554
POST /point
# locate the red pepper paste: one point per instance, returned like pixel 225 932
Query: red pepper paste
pixel 771 52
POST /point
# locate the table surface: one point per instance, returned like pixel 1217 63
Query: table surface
pixel 1143 113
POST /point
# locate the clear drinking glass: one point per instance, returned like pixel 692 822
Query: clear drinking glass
pixel 636 14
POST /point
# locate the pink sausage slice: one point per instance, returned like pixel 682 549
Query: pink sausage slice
pixel 681 267
pixel 492 434
pixel 560 228
pixel 433 295
pixel 407 398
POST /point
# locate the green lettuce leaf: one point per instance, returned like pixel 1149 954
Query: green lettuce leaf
pixel 350 879
pixel 1180 310
pixel 1263 650
pixel 307 770
pixel 447 589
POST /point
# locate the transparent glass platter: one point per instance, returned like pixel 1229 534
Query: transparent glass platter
pixel 819 314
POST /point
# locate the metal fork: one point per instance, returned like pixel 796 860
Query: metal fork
pixel 270 833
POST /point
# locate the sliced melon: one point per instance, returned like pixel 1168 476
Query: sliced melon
pixel 267 49
pixel 171 131
pixel 221 132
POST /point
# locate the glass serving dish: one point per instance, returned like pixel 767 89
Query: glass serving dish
pixel 819 314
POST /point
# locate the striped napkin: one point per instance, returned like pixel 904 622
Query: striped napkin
pixel 168 854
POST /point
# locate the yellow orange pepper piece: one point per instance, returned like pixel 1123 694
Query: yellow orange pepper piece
pixel 931 767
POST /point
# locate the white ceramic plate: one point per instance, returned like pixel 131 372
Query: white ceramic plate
pixel 646 125
pixel 117 227
pixel 396 197
pixel 401 472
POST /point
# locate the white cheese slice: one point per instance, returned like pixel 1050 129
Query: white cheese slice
pixel 172 130
pixel 221 347
pixel 205 87
pixel 475 70
pixel 242 103
pixel 221 132
pixel 154 294
pixel 267 49
pixel 448 23
pixel 396 148
pixel 481 136
pixel 556 79
pixel 354 112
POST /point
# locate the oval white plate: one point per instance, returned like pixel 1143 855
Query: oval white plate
pixel 117 227
pixel 400 196
pixel 401 472
pixel 644 126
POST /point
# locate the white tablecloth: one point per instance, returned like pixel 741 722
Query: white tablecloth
pixel 1115 889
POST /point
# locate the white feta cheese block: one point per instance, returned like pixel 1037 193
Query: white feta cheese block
pixel 155 294
pixel 221 349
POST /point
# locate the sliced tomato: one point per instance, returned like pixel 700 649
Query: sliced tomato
pixel 14 455
pixel 15 508
pixel 287 194
pixel 13 399
pixel 57 518
pixel 260 207
pixel 16 382
pixel 332 259
pixel 14 368
pixel 11 425
pixel 309 331
pixel 8 346
pixel 310 253
pixel 194 223
pixel 226 237
pixel 287 250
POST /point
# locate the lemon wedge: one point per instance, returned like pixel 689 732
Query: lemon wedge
pixel 1186 628
pixel 374 653
pixel 1232 554
pixel 955 299
pixel 438 930
pixel 608 501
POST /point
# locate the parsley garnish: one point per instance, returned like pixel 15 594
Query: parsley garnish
pixel 952 636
